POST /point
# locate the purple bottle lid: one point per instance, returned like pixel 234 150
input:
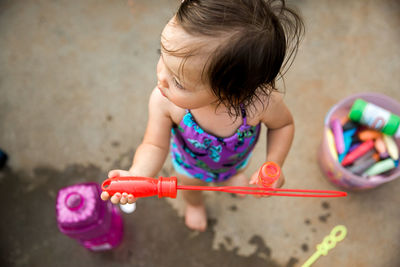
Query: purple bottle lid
pixel 74 201
pixel 78 206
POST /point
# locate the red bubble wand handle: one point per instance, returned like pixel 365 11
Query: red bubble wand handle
pixel 167 186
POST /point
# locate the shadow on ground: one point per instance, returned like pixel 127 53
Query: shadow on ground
pixel 154 235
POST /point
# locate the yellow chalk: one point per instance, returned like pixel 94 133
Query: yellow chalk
pixel 391 146
pixel 331 143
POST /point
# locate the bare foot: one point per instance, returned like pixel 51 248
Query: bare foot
pixel 196 217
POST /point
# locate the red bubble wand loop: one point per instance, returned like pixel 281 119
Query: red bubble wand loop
pixel 167 186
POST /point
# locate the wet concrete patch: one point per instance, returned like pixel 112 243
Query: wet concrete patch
pixel 324 218
pixel 292 262
pixel 304 247
pixel 115 144
pixel 325 205
pixel 154 234
pixel 233 208
pixel 261 247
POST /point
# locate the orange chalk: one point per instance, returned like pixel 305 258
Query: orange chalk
pixel 376 156
pixel 380 146
pixel 369 135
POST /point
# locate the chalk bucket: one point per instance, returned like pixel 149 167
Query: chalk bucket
pixel 82 215
pixel 333 170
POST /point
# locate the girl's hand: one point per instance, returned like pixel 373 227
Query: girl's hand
pixel 277 184
pixel 119 197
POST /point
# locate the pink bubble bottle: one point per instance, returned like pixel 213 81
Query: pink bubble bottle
pixel 83 216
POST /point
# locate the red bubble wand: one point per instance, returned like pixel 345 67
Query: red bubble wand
pixel 167 186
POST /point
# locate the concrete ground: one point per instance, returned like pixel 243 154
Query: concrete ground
pixel 75 77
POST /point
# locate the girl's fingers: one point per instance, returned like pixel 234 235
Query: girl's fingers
pixel 119 198
pixel 131 199
pixel 124 199
pixel 116 198
pixel 252 182
pixel 113 173
pixel 118 173
pixel 254 178
pixel 104 196
pixel 258 196
pixel 279 183
pixel 124 173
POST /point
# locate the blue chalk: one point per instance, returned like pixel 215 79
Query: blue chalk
pixel 349 133
pixel 347 144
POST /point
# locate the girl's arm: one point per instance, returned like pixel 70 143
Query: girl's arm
pixel 280 133
pixel 279 121
pixel 152 152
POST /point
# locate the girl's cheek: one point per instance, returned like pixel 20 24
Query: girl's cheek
pixel 158 68
pixel 162 76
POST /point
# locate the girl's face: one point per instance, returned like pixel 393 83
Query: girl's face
pixel 183 86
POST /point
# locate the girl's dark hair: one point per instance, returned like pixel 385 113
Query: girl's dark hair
pixel 264 36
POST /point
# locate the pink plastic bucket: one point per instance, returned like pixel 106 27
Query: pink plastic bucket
pixel 337 174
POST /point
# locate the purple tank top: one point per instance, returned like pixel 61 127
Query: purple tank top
pixel 207 157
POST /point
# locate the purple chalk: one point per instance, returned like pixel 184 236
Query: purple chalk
pixel 337 131
pixel 354 147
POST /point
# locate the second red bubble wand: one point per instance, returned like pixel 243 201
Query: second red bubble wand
pixel 168 187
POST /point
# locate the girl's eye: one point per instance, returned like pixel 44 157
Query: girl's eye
pixel 177 84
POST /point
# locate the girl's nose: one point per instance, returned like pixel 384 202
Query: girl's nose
pixel 162 75
pixel 162 83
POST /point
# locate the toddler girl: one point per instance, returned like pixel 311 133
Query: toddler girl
pixel 216 85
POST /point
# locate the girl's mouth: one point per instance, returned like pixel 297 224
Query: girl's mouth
pixel 161 91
